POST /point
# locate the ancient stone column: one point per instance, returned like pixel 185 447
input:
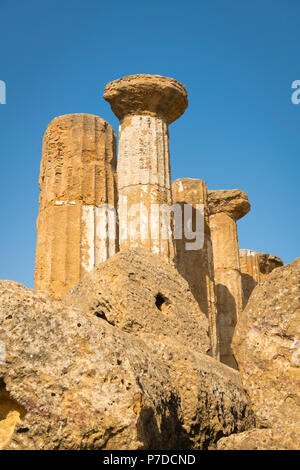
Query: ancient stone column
pixel 226 207
pixel 250 273
pixel 195 263
pixel 145 106
pixel 77 199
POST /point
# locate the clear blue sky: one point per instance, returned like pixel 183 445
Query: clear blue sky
pixel 241 130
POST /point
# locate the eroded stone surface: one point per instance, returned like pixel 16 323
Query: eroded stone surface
pixel 72 381
pixel 151 95
pixel 267 347
pixel 141 292
pixel 144 295
pixel 213 401
pixel 233 202
pixel 77 177
pixel 277 438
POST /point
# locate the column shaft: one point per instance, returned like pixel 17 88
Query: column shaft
pixel 144 182
pixel 145 106
pixel 77 184
pixel 228 281
pixel 196 265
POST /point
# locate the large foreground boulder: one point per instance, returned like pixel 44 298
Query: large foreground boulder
pixel 266 345
pixel 70 378
pixel 139 293
pixel 125 291
pixel 213 401
pixel 72 381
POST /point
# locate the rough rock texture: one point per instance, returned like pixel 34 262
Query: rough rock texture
pixel 196 265
pixel 233 202
pixel 77 177
pixel 213 401
pixel 72 381
pixel 250 273
pixel 145 296
pixel 225 208
pixel 140 292
pixel 151 95
pixel 267 347
pixel 267 263
pixel 277 438
pixel 145 105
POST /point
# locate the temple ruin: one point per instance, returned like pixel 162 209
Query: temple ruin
pixel 90 207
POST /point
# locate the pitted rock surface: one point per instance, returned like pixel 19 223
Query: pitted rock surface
pixel 72 381
pixel 124 291
pixel 152 95
pixel 233 202
pixel 267 347
pixel 140 292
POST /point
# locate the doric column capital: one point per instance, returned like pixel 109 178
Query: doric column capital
pixel 232 202
pixel 150 95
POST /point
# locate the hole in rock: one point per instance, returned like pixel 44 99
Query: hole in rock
pixel 161 302
pixel 101 314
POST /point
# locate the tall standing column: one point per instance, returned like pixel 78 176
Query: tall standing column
pixel 145 106
pixel 77 199
pixel 226 207
pixel 195 263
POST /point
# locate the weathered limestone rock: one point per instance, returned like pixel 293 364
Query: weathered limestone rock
pixel 266 345
pixel 144 295
pixel 212 398
pixel 138 291
pixel 250 273
pixel 77 182
pixel 145 105
pixel 267 263
pixel 72 381
pixel 196 266
pixel 226 207
pixel 277 438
